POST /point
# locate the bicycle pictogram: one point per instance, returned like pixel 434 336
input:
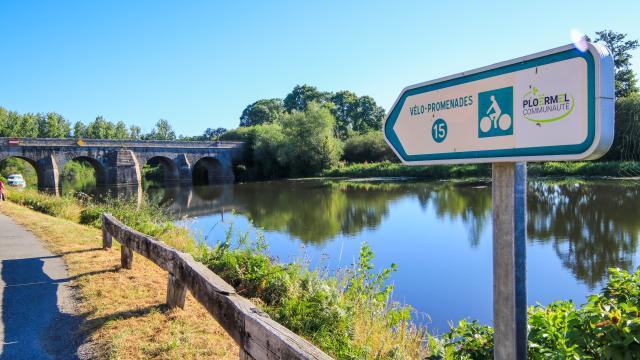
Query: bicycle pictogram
pixel 495 112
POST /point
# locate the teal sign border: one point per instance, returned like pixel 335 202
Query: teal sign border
pixel 529 151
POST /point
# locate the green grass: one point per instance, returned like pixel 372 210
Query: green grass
pixel 65 207
pixel 438 172
pixel 585 168
pixel 389 169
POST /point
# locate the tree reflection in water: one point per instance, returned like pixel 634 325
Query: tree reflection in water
pixel 469 202
pixel 591 225
pixel 317 211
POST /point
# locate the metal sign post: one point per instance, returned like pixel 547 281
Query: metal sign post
pixel 554 105
pixel 509 193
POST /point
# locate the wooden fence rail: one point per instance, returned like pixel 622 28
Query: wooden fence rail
pixel 258 336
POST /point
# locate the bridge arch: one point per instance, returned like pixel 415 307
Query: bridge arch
pixel 28 160
pixel 98 167
pixel 171 171
pixel 209 170
pixel 46 171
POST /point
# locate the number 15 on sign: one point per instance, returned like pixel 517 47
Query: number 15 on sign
pixel 439 130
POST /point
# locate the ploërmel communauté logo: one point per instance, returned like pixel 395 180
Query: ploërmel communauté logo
pixel 543 108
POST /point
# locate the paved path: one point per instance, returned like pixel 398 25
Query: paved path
pixel 37 308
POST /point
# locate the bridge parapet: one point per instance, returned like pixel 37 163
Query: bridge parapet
pixel 119 162
pixel 173 144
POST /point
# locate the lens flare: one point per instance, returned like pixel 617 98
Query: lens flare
pixel 579 40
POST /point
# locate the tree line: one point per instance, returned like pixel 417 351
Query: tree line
pixel 353 114
pixel 307 131
pixel 54 125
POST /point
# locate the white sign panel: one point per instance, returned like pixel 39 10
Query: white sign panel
pixel 554 105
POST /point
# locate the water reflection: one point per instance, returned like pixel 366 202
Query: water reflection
pixel 317 211
pixel 591 225
pixel 471 203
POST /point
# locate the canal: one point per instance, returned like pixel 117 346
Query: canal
pixel 437 233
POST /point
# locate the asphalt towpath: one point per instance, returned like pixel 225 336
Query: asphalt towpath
pixel 38 309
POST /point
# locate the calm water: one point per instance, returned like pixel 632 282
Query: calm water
pixel 439 234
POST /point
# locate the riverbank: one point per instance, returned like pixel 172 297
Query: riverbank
pixel 124 311
pixel 443 172
pixel 347 314
pixel 350 313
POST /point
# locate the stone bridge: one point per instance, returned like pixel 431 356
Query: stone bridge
pixel 119 162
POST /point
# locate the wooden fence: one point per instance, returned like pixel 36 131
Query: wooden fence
pixel 258 336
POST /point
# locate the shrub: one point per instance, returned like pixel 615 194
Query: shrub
pixel 469 340
pixel 153 173
pixel 298 144
pixel 369 147
pixel 268 140
pixel 310 145
pixel 348 315
pixel 78 170
pixel 145 217
pixel 606 327
pixel 239 134
pixel 626 142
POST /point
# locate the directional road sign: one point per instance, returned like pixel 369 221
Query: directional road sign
pixel 553 105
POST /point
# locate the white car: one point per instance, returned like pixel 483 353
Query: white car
pixel 16 180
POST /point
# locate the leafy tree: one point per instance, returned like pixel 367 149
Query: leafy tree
pixel 79 130
pixel 120 131
pixel 10 122
pixel 301 96
pixel 268 140
pixel 4 117
pixel 369 147
pixel 27 125
pixel 162 131
pixel 100 129
pixel 346 103
pixel 310 144
pixel 621 49
pixel 7 122
pixel 135 132
pixel 53 125
pixel 213 134
pixel 264 111
pixel 239 134
pixel 368 115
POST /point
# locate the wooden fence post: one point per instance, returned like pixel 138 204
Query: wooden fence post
pixel 126 257
pixel 106 238
pixel 176 292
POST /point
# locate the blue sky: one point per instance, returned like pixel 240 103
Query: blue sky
pixel 199 63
